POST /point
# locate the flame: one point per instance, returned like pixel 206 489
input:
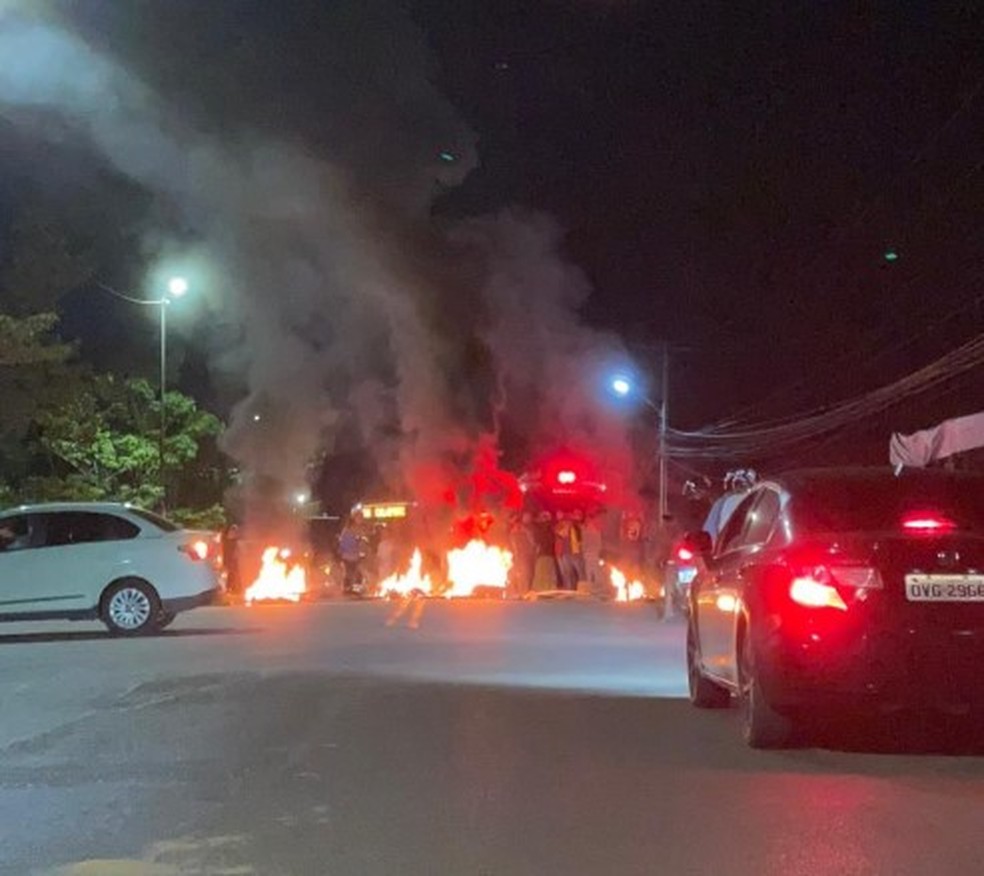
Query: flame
pixel 625 590
pixel 412 581
pixel 277 580
pixel 477 564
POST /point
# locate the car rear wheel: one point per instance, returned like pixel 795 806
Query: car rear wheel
pixel 761 725
pixel 165 619
pixel 704 693
pixel 131 608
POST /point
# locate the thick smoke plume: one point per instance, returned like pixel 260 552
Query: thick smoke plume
pixel 343 300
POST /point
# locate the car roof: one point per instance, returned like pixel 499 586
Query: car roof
pixel 877 474
pixel 42 507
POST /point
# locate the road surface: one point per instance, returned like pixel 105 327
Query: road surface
pixel 467 738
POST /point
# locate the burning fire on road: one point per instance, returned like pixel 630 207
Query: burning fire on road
pixel 279 579
pixel 413 582
pixel 472 568
pixel 626 590
pixel 477 565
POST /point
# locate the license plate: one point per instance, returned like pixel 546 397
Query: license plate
pixel 686 576
pixel 944 588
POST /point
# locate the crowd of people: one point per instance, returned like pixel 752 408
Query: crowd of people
pixel 559 551
pixel 554 552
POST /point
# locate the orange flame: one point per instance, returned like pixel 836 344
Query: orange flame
pixel 477 564
pixel 625 590
pixel 277 580
pixel 411 582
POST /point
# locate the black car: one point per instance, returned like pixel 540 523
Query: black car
pixel 838 589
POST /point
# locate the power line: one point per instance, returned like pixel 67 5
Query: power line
pixel 769 437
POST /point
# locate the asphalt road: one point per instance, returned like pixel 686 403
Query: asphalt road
pixel 465 738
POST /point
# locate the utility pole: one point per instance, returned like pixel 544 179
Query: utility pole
pixel 664 405
pixel 163 425
pixel 176 287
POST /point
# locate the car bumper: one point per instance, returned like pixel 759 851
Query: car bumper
pixel 886 671
pixel 186 603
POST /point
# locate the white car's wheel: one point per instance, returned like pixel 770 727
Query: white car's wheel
pixel 131 608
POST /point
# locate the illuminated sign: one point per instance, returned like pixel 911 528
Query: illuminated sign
pixel 394 511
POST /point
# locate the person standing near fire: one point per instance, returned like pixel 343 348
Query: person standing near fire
pixel 350 548
pixel 568 551
pixel 523 545
pixel 387 554
pixel 545 567
pixel 577 545
pixel 230 560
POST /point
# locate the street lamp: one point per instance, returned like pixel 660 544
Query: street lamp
pixel 174 288
pixel 623 386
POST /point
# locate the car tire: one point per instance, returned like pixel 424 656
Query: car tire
pixel 704 693
pixel 761 725
pixel 165 619
pixel 131 607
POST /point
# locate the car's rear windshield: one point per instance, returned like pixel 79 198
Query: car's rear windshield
pixel 161 523
pixel 881 504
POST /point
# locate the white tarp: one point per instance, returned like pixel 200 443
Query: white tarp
pixel 951 436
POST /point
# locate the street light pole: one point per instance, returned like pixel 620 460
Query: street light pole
pixel 622 386
pixel 176 287
pixel 664 407
pixel 163 424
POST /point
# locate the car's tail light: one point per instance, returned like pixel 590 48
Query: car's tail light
pixel 809 592
pixel 927 523
pixel 832 586
pixel 684 554
pixel 199 550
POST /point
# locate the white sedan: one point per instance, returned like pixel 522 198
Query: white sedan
pixel 127 567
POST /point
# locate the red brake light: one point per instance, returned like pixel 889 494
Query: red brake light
pixel 197 550
pixel 927 523
pixel 810 592
pixel 684 555
pixel 826 586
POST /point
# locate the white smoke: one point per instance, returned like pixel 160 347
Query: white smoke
pixel 329 268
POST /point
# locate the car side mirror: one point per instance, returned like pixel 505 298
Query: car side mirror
pixel 697 543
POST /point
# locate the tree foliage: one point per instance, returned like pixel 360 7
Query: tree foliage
pixel 27 340
pixel 103 444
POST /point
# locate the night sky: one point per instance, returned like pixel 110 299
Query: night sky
pixel 731 179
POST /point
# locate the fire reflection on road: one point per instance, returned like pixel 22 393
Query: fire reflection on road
pixel 412 607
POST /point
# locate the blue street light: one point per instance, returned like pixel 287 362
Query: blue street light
pixel 621 386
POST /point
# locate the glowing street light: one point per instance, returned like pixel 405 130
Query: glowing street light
pixel 177 286
pixel 621 386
